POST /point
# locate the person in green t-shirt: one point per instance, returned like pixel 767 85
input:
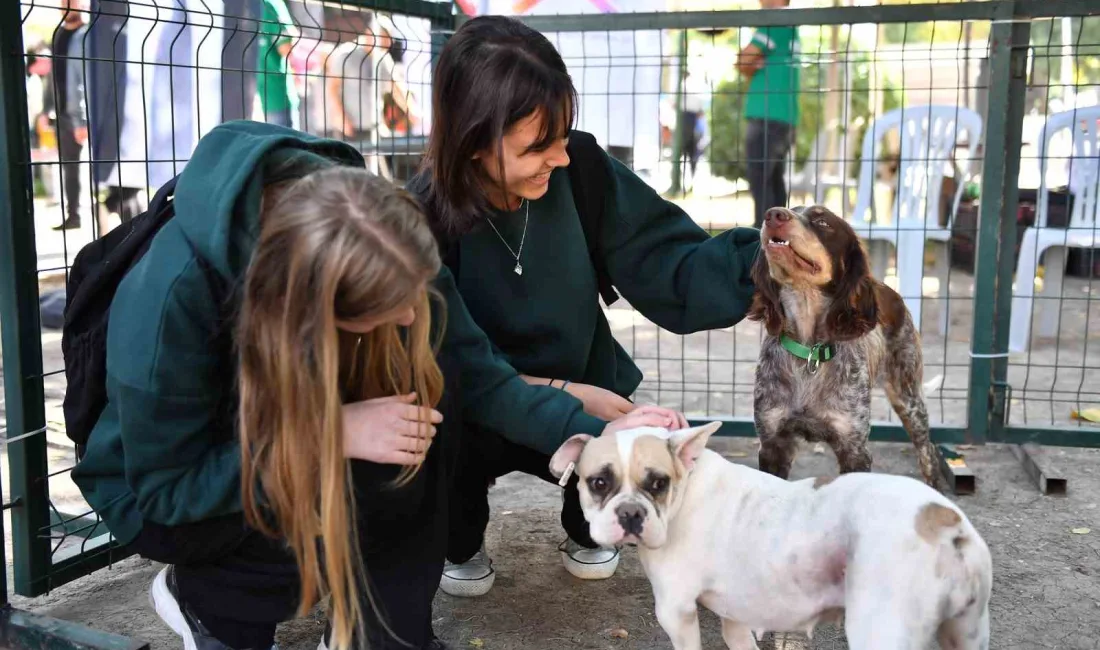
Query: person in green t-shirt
pixel 274 81
pixel 771 63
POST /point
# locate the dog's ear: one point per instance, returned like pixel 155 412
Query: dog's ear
pixel 569 452
pixel 687 444
pixel 854 310
pixel 765 302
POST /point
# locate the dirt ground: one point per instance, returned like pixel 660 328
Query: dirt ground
pixel 1046 578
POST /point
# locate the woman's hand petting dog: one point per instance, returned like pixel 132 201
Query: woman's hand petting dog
pixel 648 416
pixel 389 430
pixel 621 413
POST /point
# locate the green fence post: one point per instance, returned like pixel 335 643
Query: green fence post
pixel 676 188
pixel 1019 35
pixel 22 340
pixel 997 214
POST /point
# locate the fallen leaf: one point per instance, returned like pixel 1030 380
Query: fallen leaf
pixel 1081 531
pixel 620 633
pixel 476 642
pixel 956 462
pixel 1088 415
pixel 506 512
pixel 964 447
pixel 736 454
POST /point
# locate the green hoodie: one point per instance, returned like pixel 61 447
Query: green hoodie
pixel 165 449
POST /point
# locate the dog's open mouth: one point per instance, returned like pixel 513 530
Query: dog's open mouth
pixel 778 246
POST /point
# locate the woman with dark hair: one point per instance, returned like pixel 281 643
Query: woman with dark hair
pixel 532 245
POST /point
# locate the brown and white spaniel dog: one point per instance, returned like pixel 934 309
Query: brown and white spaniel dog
pixel 833 332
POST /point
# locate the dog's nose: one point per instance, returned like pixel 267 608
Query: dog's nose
pixel 631 517
pixel 777 216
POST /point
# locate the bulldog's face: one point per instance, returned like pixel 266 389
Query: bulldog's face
pixel 631 481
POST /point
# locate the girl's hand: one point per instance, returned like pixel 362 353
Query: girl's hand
pixel 648 416
pixel 389 430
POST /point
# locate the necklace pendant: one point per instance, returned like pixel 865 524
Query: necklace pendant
pixel 518 269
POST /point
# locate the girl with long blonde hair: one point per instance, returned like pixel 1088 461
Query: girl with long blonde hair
pixel 282 371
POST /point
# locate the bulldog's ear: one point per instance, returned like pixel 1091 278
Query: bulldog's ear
pixel 569 452
pixel 688 444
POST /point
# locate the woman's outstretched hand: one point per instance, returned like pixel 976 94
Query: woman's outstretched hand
pixel 389 430
pixel 648 416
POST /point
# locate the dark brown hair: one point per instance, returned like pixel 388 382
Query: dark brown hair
pixel 494 72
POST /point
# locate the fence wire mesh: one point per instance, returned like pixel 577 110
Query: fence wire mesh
pixel 926 86
pixel 118 93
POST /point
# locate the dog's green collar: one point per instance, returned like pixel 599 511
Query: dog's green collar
pixel 814 355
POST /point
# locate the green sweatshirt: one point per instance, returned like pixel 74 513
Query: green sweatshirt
pixel 166 449
pixel 548 322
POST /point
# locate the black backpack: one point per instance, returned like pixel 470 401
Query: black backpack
pixel 589 178
pixel 93 280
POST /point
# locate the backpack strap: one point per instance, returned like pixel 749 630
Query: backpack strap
pixel 590 177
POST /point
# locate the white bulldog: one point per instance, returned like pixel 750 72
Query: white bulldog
pixel 895 560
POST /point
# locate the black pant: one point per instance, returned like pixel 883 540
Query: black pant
pixel 484 457
pixel 240 584
pixel 689 139
pixel 124 201
pixel 68 152
pixel 766 146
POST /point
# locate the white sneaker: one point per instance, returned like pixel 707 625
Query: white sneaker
pixel 474 577
pixel 589 563
pixel 164 597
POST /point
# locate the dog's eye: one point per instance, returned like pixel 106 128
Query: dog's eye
pixel 597 484
pixel 658 485
pixel 821 223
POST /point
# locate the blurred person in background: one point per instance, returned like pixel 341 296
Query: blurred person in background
pixel 355 71
pixel 400 108
pixel 274 79
pixel 770 62
pixel 69 104
pixel 361 78
pixel 41 116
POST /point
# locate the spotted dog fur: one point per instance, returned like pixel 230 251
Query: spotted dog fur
pixel 813 282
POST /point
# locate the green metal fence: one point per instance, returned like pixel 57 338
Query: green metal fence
pixel 159 73
pixel 978 390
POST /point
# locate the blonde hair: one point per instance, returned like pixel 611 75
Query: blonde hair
pixel 336 245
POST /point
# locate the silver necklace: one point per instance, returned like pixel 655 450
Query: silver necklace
pixel 519 267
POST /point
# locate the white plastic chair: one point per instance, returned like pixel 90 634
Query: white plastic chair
pixel 1083 231
pixel 928 135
